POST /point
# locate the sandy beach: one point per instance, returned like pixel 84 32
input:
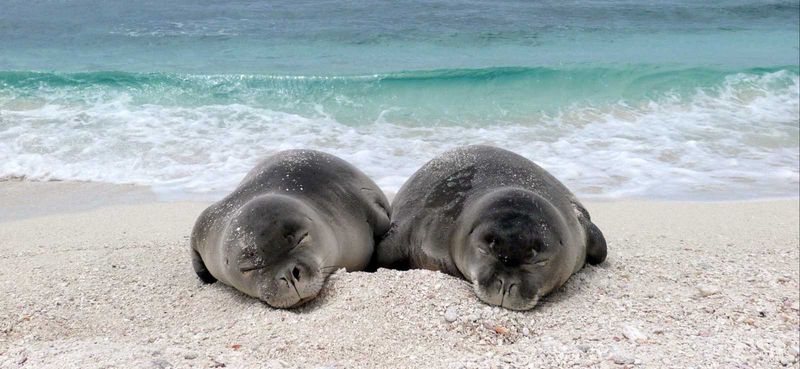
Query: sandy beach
pixel 98 276
pixel 675 122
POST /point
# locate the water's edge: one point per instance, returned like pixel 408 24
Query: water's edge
pixel 645 131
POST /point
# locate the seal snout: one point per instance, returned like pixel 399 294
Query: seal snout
pixel 509 290
pixel 505 288
pixel 291 276
pixel 292 286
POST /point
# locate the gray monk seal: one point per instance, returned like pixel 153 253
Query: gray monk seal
pixel 298 216
pixel 495 219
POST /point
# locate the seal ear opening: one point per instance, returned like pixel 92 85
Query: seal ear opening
pixel 200 268
pixel 595 245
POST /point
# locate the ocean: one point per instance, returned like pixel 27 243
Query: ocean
pixel 666 100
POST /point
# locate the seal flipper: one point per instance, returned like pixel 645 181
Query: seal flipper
pixel 595 241
pixel 198 233
pixel 379 212
pixel 595 245
pixel 200 268
pixel 387 253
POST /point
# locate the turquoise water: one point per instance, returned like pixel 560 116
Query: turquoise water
pixel 647 99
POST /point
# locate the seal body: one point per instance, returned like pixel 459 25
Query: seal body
pixel 494 218
pixel 297 217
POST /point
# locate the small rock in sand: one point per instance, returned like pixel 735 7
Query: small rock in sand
pixel 633 334
pixel 621 357
pixel 161 364
pixel 451 314
pixel 499 329
pixel 706 290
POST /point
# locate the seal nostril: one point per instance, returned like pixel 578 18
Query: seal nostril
pixel 296 273
pixel 511 288
pixel 499 283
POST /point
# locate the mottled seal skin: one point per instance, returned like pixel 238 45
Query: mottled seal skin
pixel 495 219
pixel 298 216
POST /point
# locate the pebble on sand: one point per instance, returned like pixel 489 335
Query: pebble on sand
pixel 451 314
pixel 621 357
pixel 706 290
pixel 633 334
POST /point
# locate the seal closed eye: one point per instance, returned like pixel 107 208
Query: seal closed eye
pixel 297 217
pixel 495 219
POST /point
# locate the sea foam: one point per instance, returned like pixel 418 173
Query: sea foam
pixel 737 140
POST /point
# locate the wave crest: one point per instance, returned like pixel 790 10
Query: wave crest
pixel 734 138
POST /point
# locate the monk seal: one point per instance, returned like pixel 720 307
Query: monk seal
pixel 494 218
pixel 298 216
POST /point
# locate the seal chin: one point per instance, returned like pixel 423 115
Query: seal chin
pixel 520 304
pixel 288 302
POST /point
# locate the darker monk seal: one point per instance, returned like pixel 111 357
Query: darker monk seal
pixel 495 219
pixel 298 216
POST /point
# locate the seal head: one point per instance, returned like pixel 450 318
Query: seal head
pixel 279 250
pixel 510 245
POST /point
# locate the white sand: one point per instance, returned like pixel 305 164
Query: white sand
pixel 113 287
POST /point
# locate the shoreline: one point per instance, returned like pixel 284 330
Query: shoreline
pixel 28 199
pixel 98 275
pixel 23 199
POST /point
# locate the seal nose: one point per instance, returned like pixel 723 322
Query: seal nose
pixel 292 274
pixel 296 273
pixel 505 287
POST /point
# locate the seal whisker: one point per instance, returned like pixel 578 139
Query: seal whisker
pixel 325 275
pixel 329 270
pixel 331 266
pixel 252 268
